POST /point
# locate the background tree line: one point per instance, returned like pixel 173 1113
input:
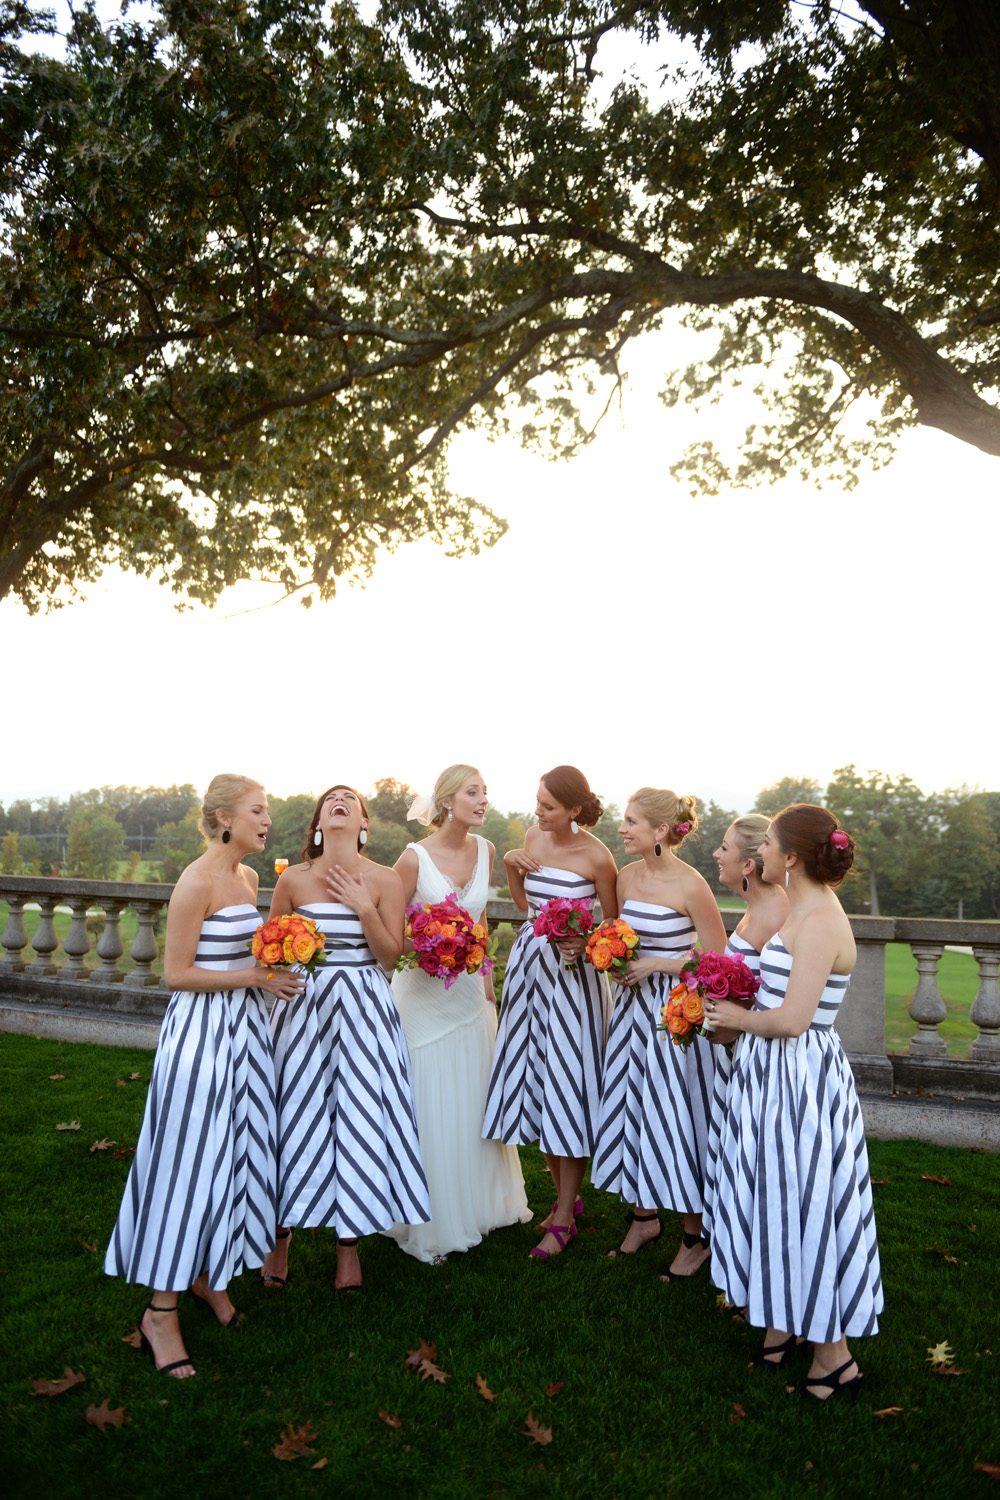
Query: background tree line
pixel 918 855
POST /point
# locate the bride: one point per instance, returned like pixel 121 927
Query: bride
pixel 475 1185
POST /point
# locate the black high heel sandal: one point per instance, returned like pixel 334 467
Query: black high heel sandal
pixel 837 1386
pixel 354 1286
pixel 688 1241
pixel 763 1360
pixel 639 1219
pixel 204 1302
pixel 145 1344
pixel 268 1277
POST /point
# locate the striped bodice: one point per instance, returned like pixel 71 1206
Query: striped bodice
pixel 775 968
pixel 738 947
pixel 548 882
pixel 224 939
pixel 659 929
pixel 346 946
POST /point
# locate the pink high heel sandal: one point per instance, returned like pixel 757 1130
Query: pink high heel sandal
pixel 561 1233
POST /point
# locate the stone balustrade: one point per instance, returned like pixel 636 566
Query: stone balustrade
pixel 31 975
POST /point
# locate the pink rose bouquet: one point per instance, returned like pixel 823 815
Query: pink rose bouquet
pixel 715 976
pixel 446 942
pixel 562 918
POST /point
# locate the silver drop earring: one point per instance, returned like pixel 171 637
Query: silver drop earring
pixel 449 815
pixel 363 836
pixel 318 839
pixel 574 826
pixel 786 879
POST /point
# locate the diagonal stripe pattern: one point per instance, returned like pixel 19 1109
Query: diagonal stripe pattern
pixel 545 1084
pixel 348 1154
pixel 793 1217
pixel 739 948
pixel 201 1192
pixel 653 1132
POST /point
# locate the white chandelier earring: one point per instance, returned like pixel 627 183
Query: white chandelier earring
pixel 363 836
pixel 449 815
pixel 574 826
pixel 318 839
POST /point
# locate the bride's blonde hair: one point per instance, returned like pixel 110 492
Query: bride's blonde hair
pixel 448 783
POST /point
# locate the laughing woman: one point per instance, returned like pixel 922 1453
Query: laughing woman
pixel 794 1224
pixel 348 1154
pixel 655 1107
pixel 199 1201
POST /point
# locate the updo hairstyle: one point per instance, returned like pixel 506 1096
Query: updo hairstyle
pixel 309 850
pixel 805 830
pixel 571 788
pixel 448 783
pixel 223 795
pixel 659 807
pixel 749 831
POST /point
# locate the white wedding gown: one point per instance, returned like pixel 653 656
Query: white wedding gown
pixel 475 1185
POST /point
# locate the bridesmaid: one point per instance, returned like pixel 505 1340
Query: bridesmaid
pixel 199 1202
pixel 794 1220
pixel 740 867
pixel 348 1153
pixel 546 1079
pixel 653 1131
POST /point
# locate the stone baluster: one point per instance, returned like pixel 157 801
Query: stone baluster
pixel 46 940
pixel 76 944
pixel 109 945
pixel 144 950
pixel 985 1012
pixel 14 939
pixel 927 1007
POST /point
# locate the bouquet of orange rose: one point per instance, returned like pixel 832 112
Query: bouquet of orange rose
pixel 719 976
pixel 289 939
pixel 612 946
pixel 446 942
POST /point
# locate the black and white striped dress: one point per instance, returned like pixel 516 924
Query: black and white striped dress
pixel 201 1192
pixel 545 1084
pixel 793 1220
pixel 348 1153
pixel 655 1104
pixel 739 948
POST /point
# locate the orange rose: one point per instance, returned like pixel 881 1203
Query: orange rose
pixel 295 926
pixel 694 1010
pixel 678 992
pixel 475 956
pixel 446 960
pixel 271 932
pixel 256 944
pixel 271 953
pixel 601 955
pixel 432 929
pixel 304 945
pixel 479 932
pixel 449 930
pixel 678 1025
pixel 617 947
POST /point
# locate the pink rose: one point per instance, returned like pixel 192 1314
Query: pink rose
pixel 716 985
pixel 840 838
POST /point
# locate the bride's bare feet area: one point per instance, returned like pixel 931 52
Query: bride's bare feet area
pixel 219 1302
pixel 163 1335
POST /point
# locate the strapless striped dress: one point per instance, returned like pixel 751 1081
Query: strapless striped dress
pixel 348 1153
pixel 793 1219
pixel 545 1084
pixel 201 1192
pixel 654 1109
pixel 739 948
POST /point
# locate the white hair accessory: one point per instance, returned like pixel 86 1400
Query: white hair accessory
pixel 421 810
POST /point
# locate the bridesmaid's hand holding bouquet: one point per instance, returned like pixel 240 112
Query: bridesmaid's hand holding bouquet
pixel 705 978
pixel 611 949
pixel 562 918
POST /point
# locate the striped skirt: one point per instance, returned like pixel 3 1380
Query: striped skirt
pixel 348 1153
pixel 716 1119
pixel 201 1193
pixel 793 1223
pixel 653 1134
pixel 545 1084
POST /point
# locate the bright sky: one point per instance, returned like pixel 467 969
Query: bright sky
pixel 709 646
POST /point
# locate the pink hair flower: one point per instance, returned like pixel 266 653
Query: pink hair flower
pixel 682 828
pixel 840 838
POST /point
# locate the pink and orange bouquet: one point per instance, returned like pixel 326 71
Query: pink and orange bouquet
pixel 611 947
pixel 289 939
pixel 446 942
pixel 716 976
pixel 562 918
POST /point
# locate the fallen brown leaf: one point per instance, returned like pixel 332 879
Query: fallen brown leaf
pixel 737 1414
pixel 947 1370
pixel 134 1338
pixel 124 1150
pixel 100 1416
pixel 414 1357
pixel 103 1144
pixel 537 1433
pixel 132 1078
pixel 54 1076
pixel 940 1250
pixel 888 1411
pixel 554 1387
pixel 56 1387
pixel 941 1181
pixel 940 1354
pixel 484 1389
pixel 90 1245
pixel 69 1125
pixel 320 1463
pixel 428 1369
pixel 971 1228
pixel 295 1442
pixel 879 1181
pixel 993 1470
pixel 389 1418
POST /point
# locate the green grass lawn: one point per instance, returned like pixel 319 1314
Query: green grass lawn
pixel 655 1396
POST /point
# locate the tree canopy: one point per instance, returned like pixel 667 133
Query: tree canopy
pixel 259 261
